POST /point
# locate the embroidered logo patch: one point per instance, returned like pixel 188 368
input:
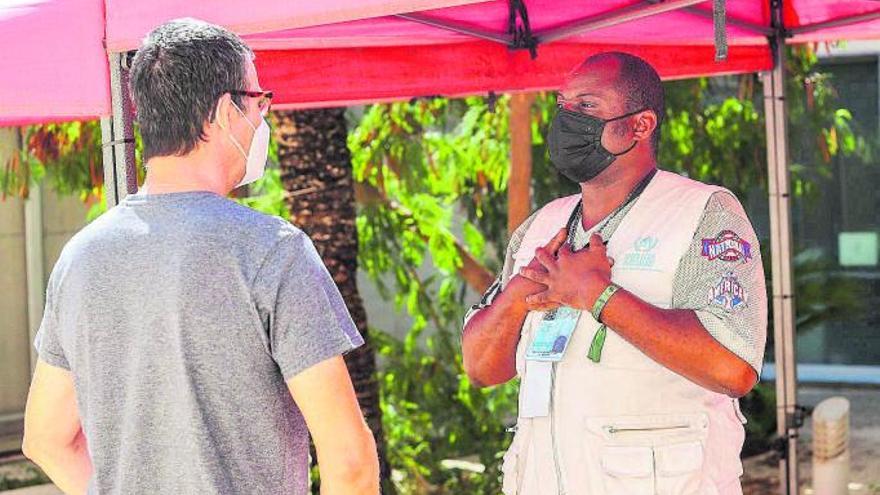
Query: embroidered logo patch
pixel 728 293
pixel 727 246
pixel 642 255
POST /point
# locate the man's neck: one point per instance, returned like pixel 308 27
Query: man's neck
pixel 189 173
pixel 602 195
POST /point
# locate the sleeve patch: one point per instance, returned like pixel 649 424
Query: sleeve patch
pixel 728 293
pixel 726 246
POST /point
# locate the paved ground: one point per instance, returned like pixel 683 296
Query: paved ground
pixel 761 474
pixel 35 490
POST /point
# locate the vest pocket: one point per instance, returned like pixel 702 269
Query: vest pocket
pixel 659 454
pixel 628 470
pixel 679 468
pixel 665 470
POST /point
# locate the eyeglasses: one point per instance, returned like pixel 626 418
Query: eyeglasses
pixel 265 99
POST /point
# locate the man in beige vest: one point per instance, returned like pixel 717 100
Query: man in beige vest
pixel 633 313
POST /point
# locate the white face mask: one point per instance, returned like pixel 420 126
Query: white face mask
pixel 258 152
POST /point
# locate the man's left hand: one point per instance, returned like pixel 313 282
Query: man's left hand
pixel 575 279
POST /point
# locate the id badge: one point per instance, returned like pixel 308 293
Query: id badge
pixel 553 334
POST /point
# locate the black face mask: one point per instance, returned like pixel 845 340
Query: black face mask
pixel 575 142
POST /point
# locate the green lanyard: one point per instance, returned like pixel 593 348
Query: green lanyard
pixel 595 352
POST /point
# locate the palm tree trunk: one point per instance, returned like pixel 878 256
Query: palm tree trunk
pixel 316 171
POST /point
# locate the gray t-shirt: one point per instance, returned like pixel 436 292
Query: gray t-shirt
pixel 181 316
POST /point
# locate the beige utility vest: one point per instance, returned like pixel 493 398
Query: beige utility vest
pixel 626 425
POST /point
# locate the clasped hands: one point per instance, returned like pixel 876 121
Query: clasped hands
pixel 566 277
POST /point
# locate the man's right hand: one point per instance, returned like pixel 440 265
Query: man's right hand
pixel 522 287
pixel 490 337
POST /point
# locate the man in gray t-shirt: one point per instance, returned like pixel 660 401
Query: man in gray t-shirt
pixel 189 344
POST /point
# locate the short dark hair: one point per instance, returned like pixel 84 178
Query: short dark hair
pixel 639 84
pixel 177 76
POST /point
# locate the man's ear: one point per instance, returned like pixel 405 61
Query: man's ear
pixel 646 123
pixel 223 112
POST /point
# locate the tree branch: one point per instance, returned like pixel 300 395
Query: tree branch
pixel 477 276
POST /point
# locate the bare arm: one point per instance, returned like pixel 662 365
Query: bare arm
pixel 345 445
pixel 53 436
pixel 677 340
pixel 490 337
pixel 674 338
pixel 724 344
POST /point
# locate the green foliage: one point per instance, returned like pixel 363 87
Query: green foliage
pixel 66 156
pixel 97 209
pixel 433 415
pixel 712 138
pixel 759 407
pixel 715 128
pixel 423 159
pixel 822 294
pixel 267 195
pixel 426 162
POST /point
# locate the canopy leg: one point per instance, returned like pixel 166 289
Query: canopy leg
pixel 519 185
pixel 117 136
pixel 788 414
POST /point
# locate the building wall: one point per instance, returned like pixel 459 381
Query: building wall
pixel 14 355
pixel 61 218
pixel 847 203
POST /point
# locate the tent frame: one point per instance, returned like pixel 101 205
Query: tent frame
pixel 840 21
pixel 592 23
pixel 120 173
pixel 117 135
pixel 789 416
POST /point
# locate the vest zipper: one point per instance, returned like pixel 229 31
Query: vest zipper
pixel 560 486
pixel 612 429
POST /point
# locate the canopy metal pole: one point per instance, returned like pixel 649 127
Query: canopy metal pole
pixel 612 18
pixel 788 414
pixel 504 39
pixel 580 26
pixel 733 21
pixel 117 136
pixel 841 21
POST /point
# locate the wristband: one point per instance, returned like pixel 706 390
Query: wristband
pixel 603 299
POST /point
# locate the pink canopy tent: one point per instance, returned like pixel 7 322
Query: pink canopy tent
pixel 338 52
pixel 54 52
pixel 64 59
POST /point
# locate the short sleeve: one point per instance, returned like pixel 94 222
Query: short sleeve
pixel 506 271
pixel 48 341
pixel 305 316
pixel 721 278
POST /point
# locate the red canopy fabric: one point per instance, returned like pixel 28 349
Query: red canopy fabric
pixel 338 52
pixel 356 76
